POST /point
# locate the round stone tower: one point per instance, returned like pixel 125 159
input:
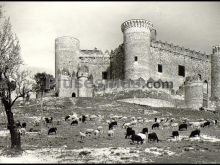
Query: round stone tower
pixel 66 55
pixel 193 87
pixel 137 36
pixel 215 72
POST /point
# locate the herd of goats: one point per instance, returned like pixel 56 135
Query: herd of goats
pixel 128 125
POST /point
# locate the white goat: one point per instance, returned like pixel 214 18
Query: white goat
pixel 96 132
pixel 110 133
pixel 82 135
pixel 22 131
pixel 89 131
pixel 126 125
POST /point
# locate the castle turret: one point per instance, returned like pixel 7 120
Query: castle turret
pixel 193 87
pixel 66 56
pixel 215 72
pixel 137 36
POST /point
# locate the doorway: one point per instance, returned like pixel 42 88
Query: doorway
pixel 73 94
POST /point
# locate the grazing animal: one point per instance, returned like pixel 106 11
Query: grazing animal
pixel 83 118
pixel 114 117
pixel 155 119
pixel 207 123
pixel 195 124
pixel 175 134
pixel 82 135
pixel 184 120
pixel 112 124
pixel 89 131
pixel 23 125
pixel 182 126
pixel 51 130
pixel 99 128
pixel 124 118
pixel 174 124
pixel 74 122
pixel 137 138
pixel 108 121
pixel 195 133
pixel 134 122
pixel 129 132
pixel 22 131
pixel 110 133
pixel 152 136
pixel 155 125
pixel 96 132
pixel 139 118
pixel 143 136
pixel 120 117
pixel 93 117
pixel 49 120
pixel 126 125
pixel 67 117
pixel 162 119
pixel 145 130
pixel 201 109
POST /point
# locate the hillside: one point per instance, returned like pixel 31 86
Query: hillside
pixel 66 145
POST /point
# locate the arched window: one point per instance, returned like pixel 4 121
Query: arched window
pixel 205 87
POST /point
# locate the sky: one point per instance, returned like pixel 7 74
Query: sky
pixel 194 25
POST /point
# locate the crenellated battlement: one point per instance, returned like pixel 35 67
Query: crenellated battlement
pixel 178 49
pixel 216 49
pixel 141 23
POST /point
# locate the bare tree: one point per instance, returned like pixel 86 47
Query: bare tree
pixel 24 83
pixel 10 60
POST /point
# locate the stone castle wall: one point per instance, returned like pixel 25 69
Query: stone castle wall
pixel 96 62
pixel 169 59
pixel 139 41
pixel 170 62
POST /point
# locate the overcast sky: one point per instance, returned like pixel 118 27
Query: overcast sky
pixel 194 25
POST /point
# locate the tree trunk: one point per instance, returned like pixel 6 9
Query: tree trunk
pixel 15 135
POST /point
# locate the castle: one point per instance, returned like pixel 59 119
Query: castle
pixel 141 56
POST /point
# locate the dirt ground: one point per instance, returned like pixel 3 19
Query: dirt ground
pixel 67 147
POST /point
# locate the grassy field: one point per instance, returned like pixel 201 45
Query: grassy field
pixel 66 146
